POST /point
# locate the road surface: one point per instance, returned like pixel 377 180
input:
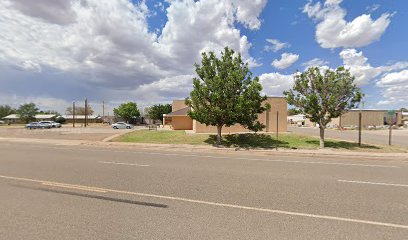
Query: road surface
pixel 78 192
pixel 379 137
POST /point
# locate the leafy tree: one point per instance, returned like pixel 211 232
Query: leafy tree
pixel 323 95
pixel 156 111
pixel 225 93
pixel 27 112
pixel 48 112
pixel 293 111
pixel 79 110
pixel 127 111
pixel 6 110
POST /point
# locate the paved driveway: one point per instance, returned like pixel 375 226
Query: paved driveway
pixel 94 133
pixel 399 137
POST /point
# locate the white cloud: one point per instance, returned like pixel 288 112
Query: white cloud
pixel 362 69
pixel 372 8
pixel 334 31
pixel 275 83
pixel 276 45
pixel 394 88
pixel 109 44
pixel 177 87
pixel 247 12
pixel 395 78
pixel 52 11
pixel 44 103
pixel 391 79
pixel 315 62
pixel 287 59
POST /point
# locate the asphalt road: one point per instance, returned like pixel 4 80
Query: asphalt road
pixel 61 192
pixel 399 137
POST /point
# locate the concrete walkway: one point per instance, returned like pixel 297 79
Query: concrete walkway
pixel 380 137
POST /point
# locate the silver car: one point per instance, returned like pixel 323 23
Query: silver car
pixel 52 123
pixel 33 125
pixel 122 125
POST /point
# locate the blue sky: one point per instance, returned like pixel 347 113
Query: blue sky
pixel 54 52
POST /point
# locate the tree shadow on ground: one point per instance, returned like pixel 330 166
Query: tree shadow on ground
pixel 342 145
pixel 248 141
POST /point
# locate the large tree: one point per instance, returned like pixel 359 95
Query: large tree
pixel 127 111
pixel 323 95
pixel 6 110
pixel 225 93
pixel 79 110
pixel 156 111
pixel 27 112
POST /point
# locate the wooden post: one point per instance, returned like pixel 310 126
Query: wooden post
pixel 359 127
pixel 277 129
pixel 390 127
pixel 73 114
pixel 86 112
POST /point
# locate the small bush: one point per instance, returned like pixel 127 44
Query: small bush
pixel 60 120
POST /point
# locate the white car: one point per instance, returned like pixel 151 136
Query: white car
pixel 52 123
pixel 122 125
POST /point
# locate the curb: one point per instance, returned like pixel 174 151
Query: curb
pixel 189 148
pixel 193 148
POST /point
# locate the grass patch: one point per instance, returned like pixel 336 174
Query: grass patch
pixel 247 140
pixel 166 137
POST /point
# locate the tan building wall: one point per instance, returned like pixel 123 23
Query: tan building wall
pixel 399 119
pixel 182 123
pixel 268 118
pixel 369 118
pixel 177 105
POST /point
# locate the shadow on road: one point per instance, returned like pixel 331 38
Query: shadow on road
pixel 147 204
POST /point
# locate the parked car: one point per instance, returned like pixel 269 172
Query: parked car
pixel 44 125
pixel 33 125
pixel 122 125
pixel 53 124
pixel 2 122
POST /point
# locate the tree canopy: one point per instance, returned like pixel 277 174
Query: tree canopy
pixel 79 110
pixel 127 111
pixel 323 95
pixel 156 111
pixel 293 111
pixel 27 112
pixel 6 110
pixel 225 93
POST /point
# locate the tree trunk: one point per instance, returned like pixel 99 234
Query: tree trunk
pixel 321 137
pixel 219 128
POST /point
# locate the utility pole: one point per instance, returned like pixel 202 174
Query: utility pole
pixel 103 109
pixel 73 114
pixel 86 111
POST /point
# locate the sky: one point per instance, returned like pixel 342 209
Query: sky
pixel 54 52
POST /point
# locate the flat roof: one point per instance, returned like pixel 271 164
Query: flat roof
pixel 81 116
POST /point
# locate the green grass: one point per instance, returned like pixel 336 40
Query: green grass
pixel 247 141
